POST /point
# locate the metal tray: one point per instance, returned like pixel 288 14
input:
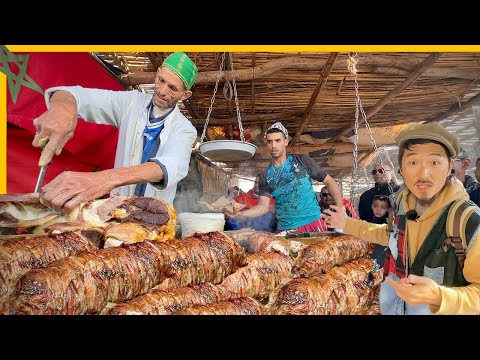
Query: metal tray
pixel 227 150
pixel 311 234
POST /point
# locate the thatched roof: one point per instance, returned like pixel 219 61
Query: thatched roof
pixel 313 95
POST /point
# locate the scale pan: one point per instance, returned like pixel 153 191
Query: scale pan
pixel 227 150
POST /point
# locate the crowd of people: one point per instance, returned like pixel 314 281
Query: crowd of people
pixel 427 270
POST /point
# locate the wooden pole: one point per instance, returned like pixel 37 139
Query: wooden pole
pixel 322 81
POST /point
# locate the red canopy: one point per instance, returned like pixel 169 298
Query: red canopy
pixel 92 147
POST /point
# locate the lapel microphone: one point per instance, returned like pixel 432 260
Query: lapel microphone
pixel 412 215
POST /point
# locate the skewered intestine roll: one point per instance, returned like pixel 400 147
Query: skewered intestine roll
pixel 87 282
pixel 241 306
pixel 161 302
pixel 18 256
pixel 343 290
pixel 317 259
pixel 257 279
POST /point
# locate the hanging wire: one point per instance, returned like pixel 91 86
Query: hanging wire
pixel 213 98
pixel 352 62
pixel 351 65
pixel 242 137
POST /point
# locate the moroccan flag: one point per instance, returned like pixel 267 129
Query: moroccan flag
pixel 92 146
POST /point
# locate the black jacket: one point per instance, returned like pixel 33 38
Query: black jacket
pixel 475 196
pixel 366 199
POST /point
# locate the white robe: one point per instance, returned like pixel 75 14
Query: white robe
pixel 128 111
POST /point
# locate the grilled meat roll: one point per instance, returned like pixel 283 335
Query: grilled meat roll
pixel 318 258
pixel 160 302
pixel 259 241
pixel 87 282
pixel 257 279
pixel 17 257
pixel 241 306
pixel 343 290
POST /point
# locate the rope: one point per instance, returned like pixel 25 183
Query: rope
pixel 242 137
pixel 352 62
pixel 227 90
pixel 213 98
pixel 228 95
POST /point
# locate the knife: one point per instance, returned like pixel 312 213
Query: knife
pixel 41 174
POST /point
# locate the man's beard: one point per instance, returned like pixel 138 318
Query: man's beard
pixel 279 155
pixel 170 104
pixel 426 202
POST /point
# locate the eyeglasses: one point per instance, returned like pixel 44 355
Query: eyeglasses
pixel 326 194
pixel 381 171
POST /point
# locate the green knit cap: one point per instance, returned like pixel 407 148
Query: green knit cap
pixel 183 67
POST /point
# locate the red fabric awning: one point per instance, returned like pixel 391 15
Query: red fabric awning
pixel 92 147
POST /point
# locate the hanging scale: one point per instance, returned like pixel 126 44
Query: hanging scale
pixel 226 150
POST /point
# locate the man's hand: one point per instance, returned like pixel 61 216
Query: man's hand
pixel 417 290
pixel 229 215
pixel 56 126
pixel 72 188
pixel 236 212
pixel 335 217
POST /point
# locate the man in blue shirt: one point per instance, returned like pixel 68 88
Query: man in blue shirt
pixel 288 179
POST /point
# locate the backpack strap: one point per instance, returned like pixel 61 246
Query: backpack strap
pixel 457 218
pixel 394 202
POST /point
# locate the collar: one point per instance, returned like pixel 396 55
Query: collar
pixel 150 103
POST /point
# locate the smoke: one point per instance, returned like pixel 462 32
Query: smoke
pixel 187 200
pixel 266 222
pixel 189 190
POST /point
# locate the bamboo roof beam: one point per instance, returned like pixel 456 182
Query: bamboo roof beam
pixel 303 149
pixel 376 65
pixel 257 118
pixel 191 109
pixel 256 160
pixel 261 71
pixel 429 61
pixel 322 81
pixel 123 65
pixel 154 60
pixel 252 85
pixel 456 109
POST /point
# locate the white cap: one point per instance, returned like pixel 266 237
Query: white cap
pixel 279 126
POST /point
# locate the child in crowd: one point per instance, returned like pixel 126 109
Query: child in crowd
pixel 380 207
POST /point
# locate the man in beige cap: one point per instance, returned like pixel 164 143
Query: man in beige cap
pixel 154 144
pixel 426 270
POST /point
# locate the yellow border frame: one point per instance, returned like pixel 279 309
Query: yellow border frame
pixel 3 133
pixel 195 48
pixel 247 48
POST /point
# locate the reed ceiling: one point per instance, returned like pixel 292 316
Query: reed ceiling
pixel 313 95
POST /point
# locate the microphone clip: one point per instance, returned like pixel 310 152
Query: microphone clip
pixel 412 215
